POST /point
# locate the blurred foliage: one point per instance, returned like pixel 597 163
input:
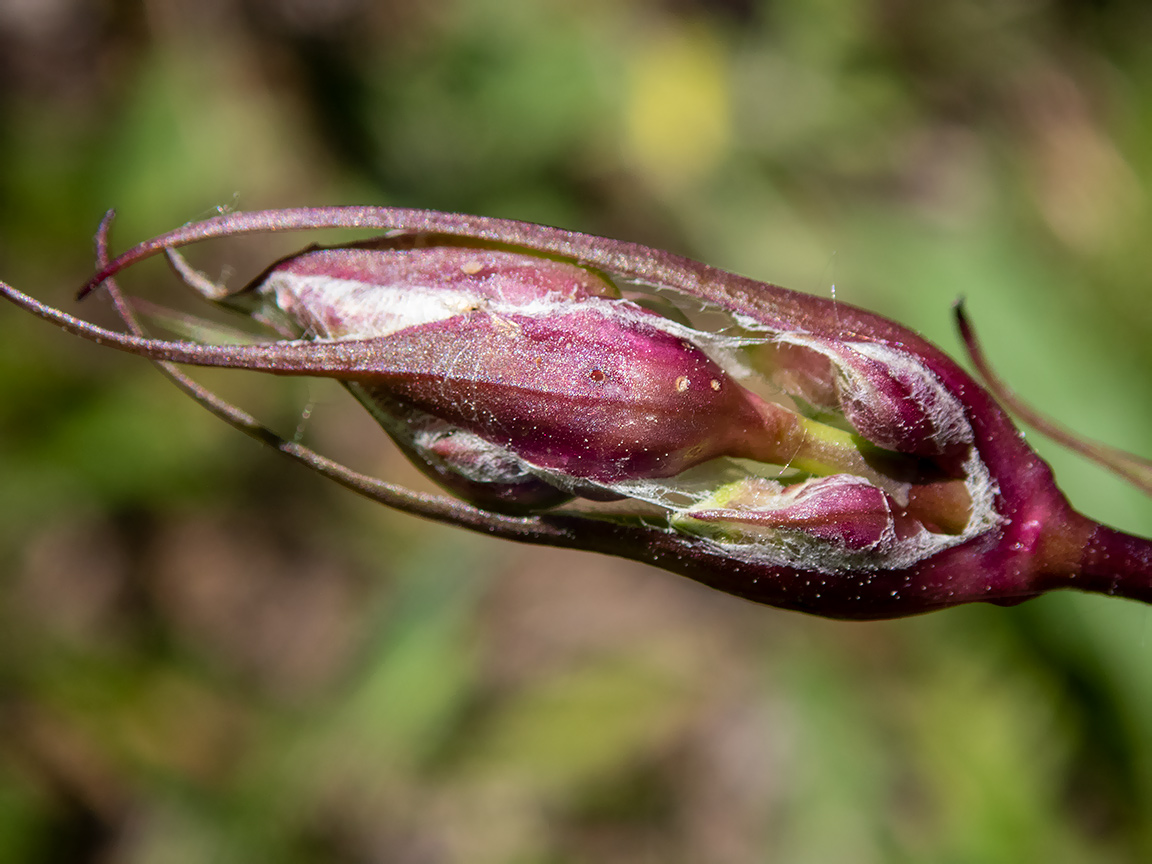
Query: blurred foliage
pixel 207 654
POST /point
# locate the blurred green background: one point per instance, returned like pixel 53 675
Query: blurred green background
pixel 208 654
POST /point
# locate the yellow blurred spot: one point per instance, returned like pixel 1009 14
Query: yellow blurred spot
pixel 678 122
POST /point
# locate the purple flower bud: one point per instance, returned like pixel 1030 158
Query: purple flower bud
pixel 842 510
pixel 351 293
pixel 595 394
pixel 884 392
pixel 536 359
pixel 359 292
pixel 533 360
pixel 883 482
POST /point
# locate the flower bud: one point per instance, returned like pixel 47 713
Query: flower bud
pixel 539 360
pixel 886 394
pixel 596 394
pixel 353 292
pixel 516 379
pixel 840 510
pixel 357 292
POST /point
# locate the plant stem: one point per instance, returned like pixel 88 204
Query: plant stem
pixel 1116 563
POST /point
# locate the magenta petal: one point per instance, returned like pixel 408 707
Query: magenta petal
pixel 493 274
pixel 887 394
pixel 358 293
pixel 583 393
pixel 840 509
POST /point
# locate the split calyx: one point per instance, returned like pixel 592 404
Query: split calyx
pixel 519 382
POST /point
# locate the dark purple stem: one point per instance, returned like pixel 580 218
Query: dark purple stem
pixel 1116 563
